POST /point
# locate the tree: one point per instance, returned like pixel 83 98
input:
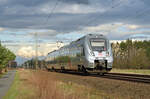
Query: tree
pixel 135 55
pixel 5 56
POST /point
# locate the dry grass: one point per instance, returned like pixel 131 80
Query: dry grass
pixel 108 88
pixel 48 87
pixel 40 85
pixel 20 89
pixel 51 85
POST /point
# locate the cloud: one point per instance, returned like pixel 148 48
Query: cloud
pixel 106 29
pixel 68 16
pixel 1 29
pixel 43 33
pixel 73 9
pixel 102 28
pixel 116 30
pixel 132 26
pixel 70 19
pixel 27 52
pixel 46 48
pixel 43 49
pixel 76 1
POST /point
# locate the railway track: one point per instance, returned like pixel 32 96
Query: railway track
pixel 128 77
pixel 138 78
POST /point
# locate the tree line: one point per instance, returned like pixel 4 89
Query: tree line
pixel 131 55
pixel 5 56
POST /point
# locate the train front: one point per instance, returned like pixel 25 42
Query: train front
pixel 100 56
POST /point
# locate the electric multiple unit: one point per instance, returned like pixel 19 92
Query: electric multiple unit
pixel 91 53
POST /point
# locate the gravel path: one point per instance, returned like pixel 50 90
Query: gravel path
pixel 5 82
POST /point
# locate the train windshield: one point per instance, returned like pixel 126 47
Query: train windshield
pixel 98 45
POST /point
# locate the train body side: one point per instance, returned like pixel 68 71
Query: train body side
pixel 91 52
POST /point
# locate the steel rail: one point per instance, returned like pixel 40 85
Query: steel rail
pixel 136 78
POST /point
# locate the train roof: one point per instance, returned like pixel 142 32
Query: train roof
pixel 86 36
pixel 90 36
pixel 95 36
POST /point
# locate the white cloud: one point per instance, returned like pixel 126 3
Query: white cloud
pixel 43 50
pixel 115 30
pixel 27 52
pixel 2 29
pixel 110 27
pixel 74 8
pixel 132 27
pixel 105 28
pixel 46 48
pixel 80 9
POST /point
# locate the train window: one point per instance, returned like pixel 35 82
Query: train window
pixel 82 52
pixel 108 44
pixel 98 44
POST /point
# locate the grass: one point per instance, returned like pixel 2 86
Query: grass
pixel 136 71
pixel 31 84
pixel 1 75
pixel 41 85
pixel 12 93
pixel 81 91
pixel 50 88
pixel 105 88
pixel 18 90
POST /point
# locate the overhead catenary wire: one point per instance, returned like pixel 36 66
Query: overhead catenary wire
pixel 89 22
pixel 36 34
pixel 112 7
pixel 50 15
pixel 51 12
pixel 139 13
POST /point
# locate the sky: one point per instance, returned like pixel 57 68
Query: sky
pixel 67 20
